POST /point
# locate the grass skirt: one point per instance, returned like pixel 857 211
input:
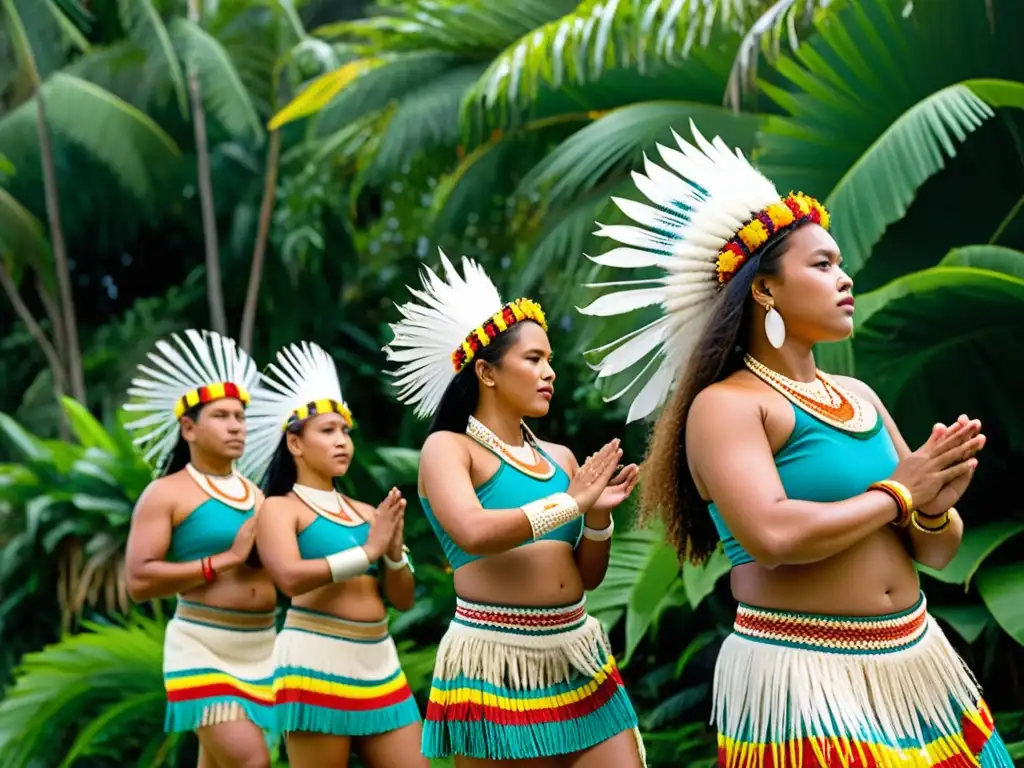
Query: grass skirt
pixel 218 667
pixel 795 690
pixel 339 677
pixel 516 683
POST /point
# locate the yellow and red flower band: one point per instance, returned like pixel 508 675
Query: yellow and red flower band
pixel 318 407
pixel 512 313
pixel 796 207
pixel 208 394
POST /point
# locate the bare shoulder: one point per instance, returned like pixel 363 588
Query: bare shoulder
pixel 162 494
pixel 562 454
pixel 363 509
pixel 734 400
pixel 280 505
pixel 445 444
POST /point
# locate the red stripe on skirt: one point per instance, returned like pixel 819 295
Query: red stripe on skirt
pixel 342 703
pixel 215 690
pixel 468 711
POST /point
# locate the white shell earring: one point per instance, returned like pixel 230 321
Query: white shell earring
pixel 774 326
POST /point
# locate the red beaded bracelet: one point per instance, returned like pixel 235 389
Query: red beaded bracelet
pixel 209 574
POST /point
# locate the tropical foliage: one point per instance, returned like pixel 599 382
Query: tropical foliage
pixel 305 151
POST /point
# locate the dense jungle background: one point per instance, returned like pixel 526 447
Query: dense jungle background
pixel 280 169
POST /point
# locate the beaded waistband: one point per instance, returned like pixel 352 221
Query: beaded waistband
pixel 317 623
pixel 224 618
pixel 521 619
pixel 889 633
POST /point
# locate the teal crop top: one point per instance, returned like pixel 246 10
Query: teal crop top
pixel 822 464
pixel 508 488
pixel 324 537
pixel 210 528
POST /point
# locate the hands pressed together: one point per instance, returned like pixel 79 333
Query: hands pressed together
pixel 387 529
pixel 938 473
pixel 602 484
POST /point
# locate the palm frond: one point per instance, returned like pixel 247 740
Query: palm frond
pixel 879 188
pixel 224 93
pixel 392 77
pixel 320 92
pixel 784 20
pixel 425 119
pixel 146 29
pixel 617 140
pixel 89 116
pixel 474 28
pixel 42 35
pixel 71 699
pixel 601 35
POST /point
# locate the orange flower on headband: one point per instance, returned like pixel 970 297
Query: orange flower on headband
pixel 755 234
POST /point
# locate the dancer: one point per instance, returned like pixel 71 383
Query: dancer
pixel 192 535
pixel 523 673
pixel 820 504
pixel 337 675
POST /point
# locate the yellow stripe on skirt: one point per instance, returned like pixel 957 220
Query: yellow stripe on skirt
pixel 218 667
pixel 341 677
pixel 796 690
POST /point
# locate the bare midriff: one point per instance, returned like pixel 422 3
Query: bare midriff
pixel 540 574
pixel 875 576
pixel 355 599
pixel 240 589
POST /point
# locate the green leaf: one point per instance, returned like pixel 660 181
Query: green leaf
pixel 224 94
pixel 89 116
pixel 653 582
pixel 995 258
pixel 878 189
pixel 22 240
pixel 146 29
pixel 921 339
pixel 402 463
pixel 1001 587
pixel 978 543
pixel 6 166
pixel 969 621
pixel 617 140
pixel 29 446
pixel 87 429
pixel 700 580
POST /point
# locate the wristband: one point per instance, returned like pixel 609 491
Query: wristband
pixel 551 512
pixel 397 565
pixel 347 563
pixel 599 534
pixel 209 574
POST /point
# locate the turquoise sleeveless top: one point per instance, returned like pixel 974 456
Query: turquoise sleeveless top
pixel 210 528
pixel 324 537
pixel 822 464
pixel 509 488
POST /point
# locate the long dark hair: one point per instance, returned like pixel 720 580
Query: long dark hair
pixel 282 473
pixel 181 455
pixel 668 488
pixel 461 397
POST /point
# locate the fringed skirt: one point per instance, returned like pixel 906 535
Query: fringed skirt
pixel 515 683
pixel 795 690
pixel 218 667
pixel 339 677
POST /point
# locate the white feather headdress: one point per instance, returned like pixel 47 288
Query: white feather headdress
pixel 702 226
pixel 302 383
pixel 202 367
pixel 440 335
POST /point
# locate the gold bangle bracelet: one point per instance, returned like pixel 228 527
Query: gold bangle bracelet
pixel 916 522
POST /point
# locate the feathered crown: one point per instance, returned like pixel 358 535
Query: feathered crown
pixel 201 368
pixel 703 228
pixel 441 335
pixel 303 383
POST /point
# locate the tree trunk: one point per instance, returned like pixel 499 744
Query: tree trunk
pixel 214 287
pixel 259 251
pixel 73 353
pixel 39 335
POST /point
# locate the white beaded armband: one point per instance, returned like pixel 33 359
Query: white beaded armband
pixel 347 564
pixel 551 512
pixel 599 534
pixel 397 565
